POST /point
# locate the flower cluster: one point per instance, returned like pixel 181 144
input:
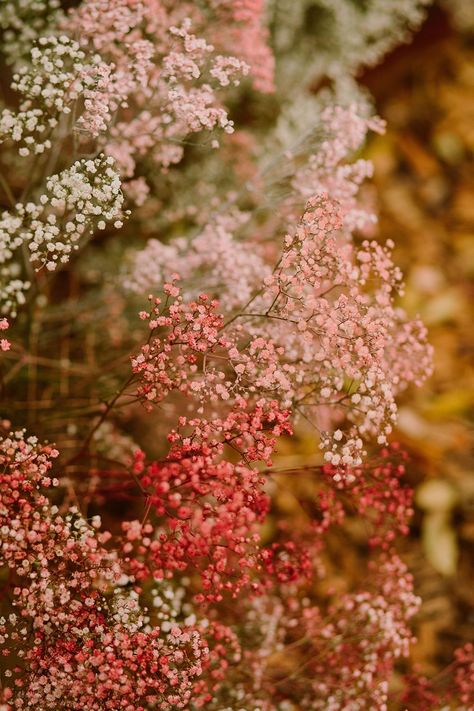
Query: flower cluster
pixel 349 347
pixel 327 170
pixel 214 254
pixel 190 351
pixel 313 329
pixel 340 347
pixel 59 76
pixel 151 560
pixel 209 511
pixel 241 27
pixel 4 342
pixel 374 491
pixel 383 616
pixel 172 82
pixel 85 196
pixel 80 633
pixel 328 662
pixel 235 27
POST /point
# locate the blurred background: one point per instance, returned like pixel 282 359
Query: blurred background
pixel 425 184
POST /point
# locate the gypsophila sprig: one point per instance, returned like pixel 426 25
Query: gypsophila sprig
pixel 85 197
pixel 61 79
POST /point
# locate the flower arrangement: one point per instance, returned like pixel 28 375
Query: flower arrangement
pixel 179 302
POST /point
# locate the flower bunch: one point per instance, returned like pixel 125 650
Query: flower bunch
pixel 76 627
pixel 153 559
pixel 60 74
pixel 85 196
pixel 172 81
pixel 327 331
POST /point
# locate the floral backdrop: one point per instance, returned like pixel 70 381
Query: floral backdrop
pixel 235 366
